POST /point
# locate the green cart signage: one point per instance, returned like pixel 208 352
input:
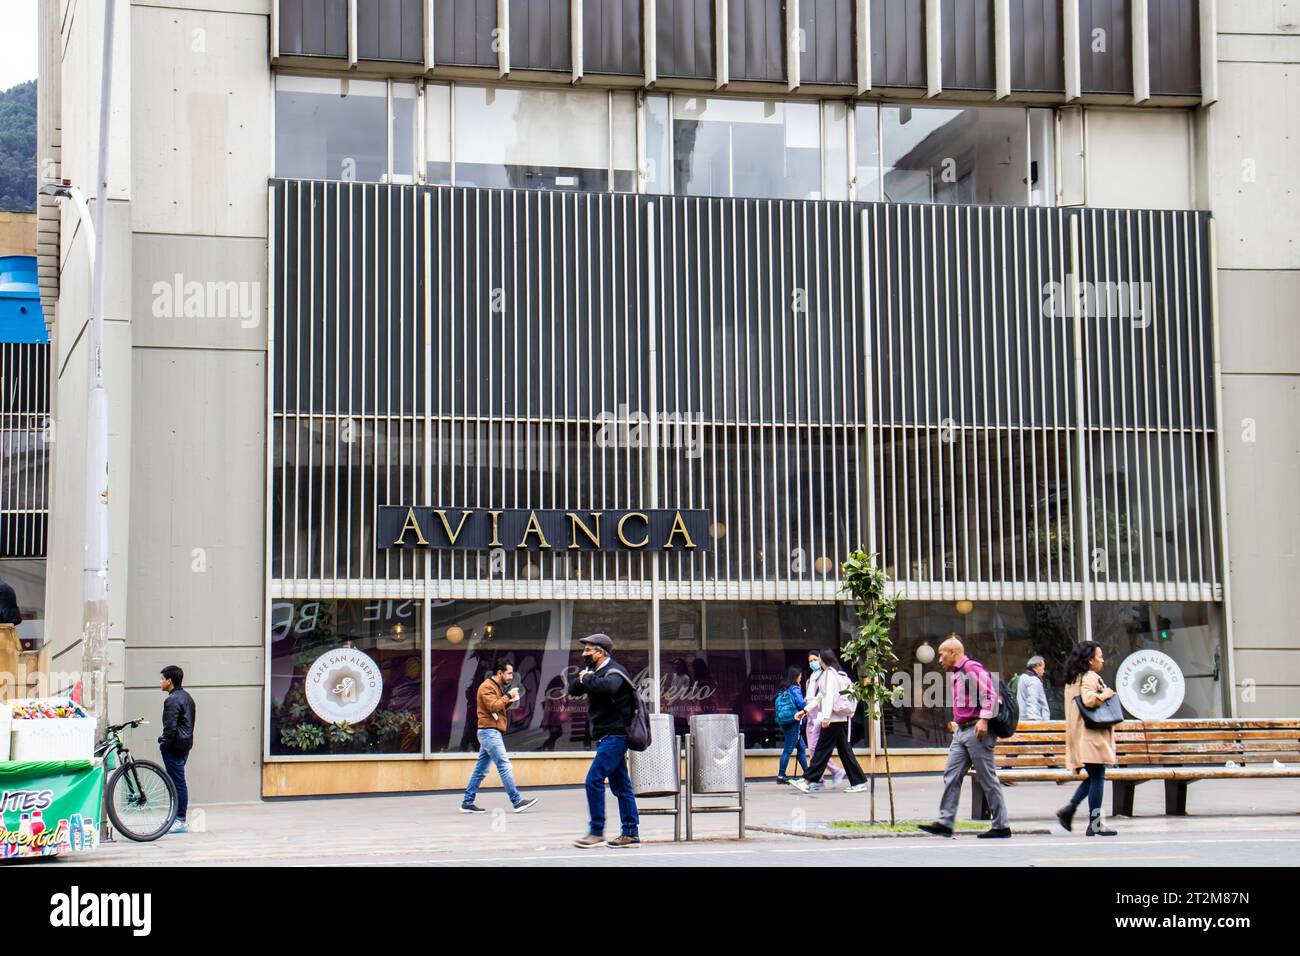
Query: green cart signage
pixel 49 807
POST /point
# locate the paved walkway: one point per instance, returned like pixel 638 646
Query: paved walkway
pixel 429 829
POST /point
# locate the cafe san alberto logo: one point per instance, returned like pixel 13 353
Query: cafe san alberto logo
pixel 1150 685
pixel 344 685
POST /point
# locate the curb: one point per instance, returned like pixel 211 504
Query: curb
pixel 850 835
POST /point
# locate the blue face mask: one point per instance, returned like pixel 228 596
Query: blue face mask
pixel 815 665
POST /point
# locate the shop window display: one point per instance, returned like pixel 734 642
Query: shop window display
pixel 346 678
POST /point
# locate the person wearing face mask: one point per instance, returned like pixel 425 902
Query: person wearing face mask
pixel 813 714
pixel 611 696
pixel 834 736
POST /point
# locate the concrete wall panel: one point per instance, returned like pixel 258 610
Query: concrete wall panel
pixel 1258 317
pixel 1163 180
pixel 225 765
pixel 1263 520
pixel 1256 151
pixel 202 128
pixel 199 292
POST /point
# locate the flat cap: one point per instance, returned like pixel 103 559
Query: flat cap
pixel 600 640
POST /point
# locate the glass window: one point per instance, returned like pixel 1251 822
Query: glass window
pixel 718 657
pixel 541 639
pixel 437 134
pixel 934 154
pixel 658 146
pixel 758 148
pixel 1001 635
pixel 835 136
pixel 532 139
pixel 403 120
pixel 623 121
pixel 331 129
pixel 866 148
pixel 334 659
pixel 1042 158
pixel 1187 632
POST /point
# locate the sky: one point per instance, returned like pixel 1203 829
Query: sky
pixel 17 42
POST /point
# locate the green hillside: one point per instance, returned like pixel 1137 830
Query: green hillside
pixel 18 148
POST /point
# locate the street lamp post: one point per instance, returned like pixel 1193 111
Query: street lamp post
pixel 94 648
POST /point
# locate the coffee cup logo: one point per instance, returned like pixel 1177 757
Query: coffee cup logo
pixel 1150 685
pixel 344 686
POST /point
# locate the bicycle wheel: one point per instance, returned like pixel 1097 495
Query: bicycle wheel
pixel 141 801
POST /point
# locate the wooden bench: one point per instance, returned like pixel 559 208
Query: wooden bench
pixel 1178 752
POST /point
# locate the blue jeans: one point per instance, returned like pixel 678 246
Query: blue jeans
pixel 491 750
pixel 176 770
pixel 1093 788
pixel 611 764
pixel 793 739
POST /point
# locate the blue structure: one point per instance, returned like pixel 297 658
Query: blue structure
pixel 21 317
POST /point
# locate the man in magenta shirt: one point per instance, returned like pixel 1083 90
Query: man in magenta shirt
pixel 974 703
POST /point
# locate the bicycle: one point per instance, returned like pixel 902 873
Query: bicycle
pixel 139 795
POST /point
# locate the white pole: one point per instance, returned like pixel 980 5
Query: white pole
pixel 94 652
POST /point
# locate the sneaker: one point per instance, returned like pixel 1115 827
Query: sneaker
pixel 859 787
pixel 624 842
pixel 524 804
pixel 180 826
pixel 589 841
pixel 814 787
pixel 996 833
pixel 471 808
pixel 801 785
pixel 936 829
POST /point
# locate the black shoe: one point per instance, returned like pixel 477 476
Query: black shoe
pixel 782 779
pixel 1065 816
pixel 936 829
pixel 471 808
pixel 525 803
pixel 1096 827
pixel 995 833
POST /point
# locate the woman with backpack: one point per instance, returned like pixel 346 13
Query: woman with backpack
pixel 1086 748
pixel 834 711
pixel 790 706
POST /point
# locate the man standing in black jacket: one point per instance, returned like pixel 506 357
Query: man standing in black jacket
pixel 177 738
pixel 612 697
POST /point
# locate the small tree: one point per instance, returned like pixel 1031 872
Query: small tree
pixel 872 650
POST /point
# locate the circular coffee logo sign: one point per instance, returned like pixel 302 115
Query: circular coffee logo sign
pixel 1150 685
pixel 344 685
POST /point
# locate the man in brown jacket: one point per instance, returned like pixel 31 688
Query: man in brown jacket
pixel 494 698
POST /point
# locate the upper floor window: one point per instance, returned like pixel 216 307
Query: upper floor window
pixel 327 128
pixel 531 138
pixel 677 144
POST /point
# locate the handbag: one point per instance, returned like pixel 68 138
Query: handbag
pixel 1102 717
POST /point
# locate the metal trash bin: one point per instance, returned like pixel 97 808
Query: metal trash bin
pixel 656 771
pixel 715 766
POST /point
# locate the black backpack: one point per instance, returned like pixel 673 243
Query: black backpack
pixel 1007 719
pixel 638 728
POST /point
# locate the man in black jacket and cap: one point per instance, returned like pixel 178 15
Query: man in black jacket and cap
pixel 612 705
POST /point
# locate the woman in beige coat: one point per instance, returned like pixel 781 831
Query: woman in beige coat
pixel 1086 748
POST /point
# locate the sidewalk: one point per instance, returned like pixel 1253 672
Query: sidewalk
pixel 355 830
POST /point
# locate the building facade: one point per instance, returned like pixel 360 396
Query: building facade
pixel 947 281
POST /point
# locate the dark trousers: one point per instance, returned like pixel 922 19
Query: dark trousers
pixel 611 764
pixel 1092 788
pixel 834 739
pixel 176 770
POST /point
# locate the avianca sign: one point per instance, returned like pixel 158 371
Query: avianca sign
pixel 468 529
